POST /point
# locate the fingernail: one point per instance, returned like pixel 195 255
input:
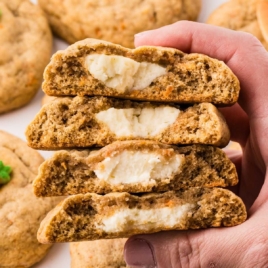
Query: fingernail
pixel 139 253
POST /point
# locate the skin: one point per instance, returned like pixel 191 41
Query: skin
pixel 245 245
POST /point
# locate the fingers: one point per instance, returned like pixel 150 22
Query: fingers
pixel 242 52
pixel 180 249
pixel 236 157
pixel 253 174
pixel 202 248
pixel 192 37
pixel 236 119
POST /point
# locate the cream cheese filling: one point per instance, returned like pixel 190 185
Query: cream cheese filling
pixel 121 73
pixel 145 219
pixel 138 167
pixel 142 122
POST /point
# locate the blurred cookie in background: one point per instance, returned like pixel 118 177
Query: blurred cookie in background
pixel 243 15
pixel 262 16
pixel 114 20
pixel 25 49
pixel 20 210
pixel 99 254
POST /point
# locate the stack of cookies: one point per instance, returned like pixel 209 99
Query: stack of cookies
pixel 137 104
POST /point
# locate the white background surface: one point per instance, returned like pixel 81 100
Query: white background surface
pixel 15 123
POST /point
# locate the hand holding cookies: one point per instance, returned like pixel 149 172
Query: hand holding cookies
pixel 140 133
pixel 221 247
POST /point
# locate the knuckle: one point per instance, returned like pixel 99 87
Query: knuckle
pixel 250 40
pixel 187 252
pixel 182 24
pixel 256 254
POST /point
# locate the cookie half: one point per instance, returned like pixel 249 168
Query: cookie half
pixel 20 210
pixel 114 20
pixel 99 121
pixel 133 167
pixel 95 67
pixel 26 44
pixel 117 215
pixel 107 253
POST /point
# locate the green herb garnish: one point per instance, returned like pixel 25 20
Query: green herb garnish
pixel 1 13
pixel 4 173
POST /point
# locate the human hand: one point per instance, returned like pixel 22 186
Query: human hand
pixel 245 245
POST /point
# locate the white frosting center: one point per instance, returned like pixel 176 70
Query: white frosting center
pixel 141 122
pixel 126 218
pixel 122 73
pixel 137 167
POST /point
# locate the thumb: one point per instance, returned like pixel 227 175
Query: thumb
pixel 210 248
